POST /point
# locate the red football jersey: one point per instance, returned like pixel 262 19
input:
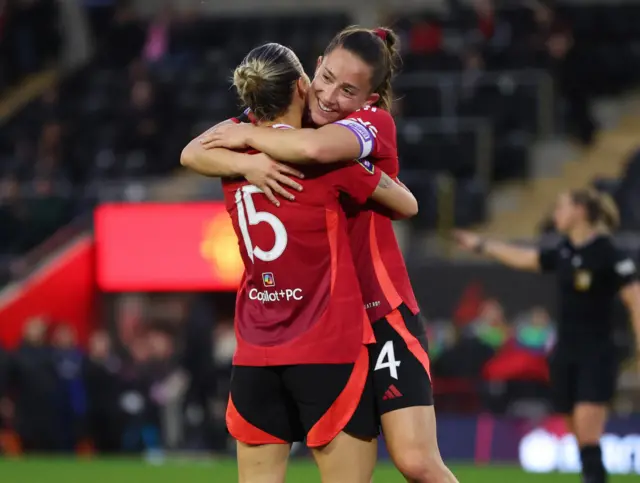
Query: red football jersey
pixel 299 301
pixel 382 272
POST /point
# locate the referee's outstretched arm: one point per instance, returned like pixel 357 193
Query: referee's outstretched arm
pixel 520 258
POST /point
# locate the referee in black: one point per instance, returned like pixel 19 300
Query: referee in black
pixel 590 273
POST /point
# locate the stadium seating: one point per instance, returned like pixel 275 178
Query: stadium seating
pixel 118 120
pixel 626 192
pixel 29 39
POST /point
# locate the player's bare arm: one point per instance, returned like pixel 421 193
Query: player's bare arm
pixel 394 215
pixel 513 256
pixel 395 197
pixel 259 169
pixel 631 297
pixel 214 164
pixel 328 144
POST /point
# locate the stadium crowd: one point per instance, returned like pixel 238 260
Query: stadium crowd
pixel 158 377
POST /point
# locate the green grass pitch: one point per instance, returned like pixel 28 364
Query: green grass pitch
pixel 39 470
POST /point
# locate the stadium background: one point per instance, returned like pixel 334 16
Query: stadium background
pixel 118 267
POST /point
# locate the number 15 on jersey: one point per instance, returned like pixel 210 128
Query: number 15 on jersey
pixel 248 216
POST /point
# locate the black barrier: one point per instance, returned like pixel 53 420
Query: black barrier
pixel 441 287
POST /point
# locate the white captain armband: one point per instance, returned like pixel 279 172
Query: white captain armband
pixel 364 135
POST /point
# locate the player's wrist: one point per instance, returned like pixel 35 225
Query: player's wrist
pixel 243 165
pixel 247 133
pixel 480 246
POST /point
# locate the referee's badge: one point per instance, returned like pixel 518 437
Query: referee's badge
pixel 582 280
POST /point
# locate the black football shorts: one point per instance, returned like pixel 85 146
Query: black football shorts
pixel 400 362
pixel 588 377
pixel 312 402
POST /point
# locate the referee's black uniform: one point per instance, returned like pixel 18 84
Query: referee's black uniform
pixel 584 365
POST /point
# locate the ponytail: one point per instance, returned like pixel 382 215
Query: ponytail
pixel 600 208
pixel 394 60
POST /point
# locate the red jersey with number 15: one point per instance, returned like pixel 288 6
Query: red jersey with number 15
pixel 382 272
pixel 299 301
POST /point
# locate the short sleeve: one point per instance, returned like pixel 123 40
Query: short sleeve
pixel 359 180
pixel 624 269
pixel 374 128
pixel 548 258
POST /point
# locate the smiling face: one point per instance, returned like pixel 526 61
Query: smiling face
pixel 341 86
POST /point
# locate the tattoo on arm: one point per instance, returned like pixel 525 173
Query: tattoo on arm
pixel 385 181
pixel 211 129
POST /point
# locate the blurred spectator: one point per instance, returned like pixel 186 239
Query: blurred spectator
pixel 35 382
pixel 491 326
pixel 71 400
pixel 103 394
pixel 140 410
pixel 425 37
pixel 441 336
pixel 572 82
pixel 535 330
pixel 158 37
pixel 168 386
pixel 485 21
pixel 197 361
pixel 544 18
pixel 224 346
pixel 129 317
pixel 478 343
pixel 474 67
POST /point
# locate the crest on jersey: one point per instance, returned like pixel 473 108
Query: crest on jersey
pixel 366 164
pixel 582 280
pixel 268 279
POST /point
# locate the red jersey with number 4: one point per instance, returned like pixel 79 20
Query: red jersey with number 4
pixel 382 272
pixel 299 301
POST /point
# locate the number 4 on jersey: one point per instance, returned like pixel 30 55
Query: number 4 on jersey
pixel 387 359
